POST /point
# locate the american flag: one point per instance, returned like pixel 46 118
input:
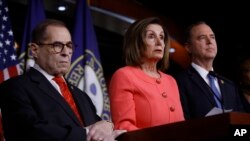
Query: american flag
pixel 8 59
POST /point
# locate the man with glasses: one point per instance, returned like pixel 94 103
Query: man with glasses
pixel 41 105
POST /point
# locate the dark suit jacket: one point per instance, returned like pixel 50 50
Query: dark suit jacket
pixel 245 103
pixel 197 97
pixel 33 110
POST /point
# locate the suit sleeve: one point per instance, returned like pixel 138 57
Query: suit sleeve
pixel 23 118
pixel 181 82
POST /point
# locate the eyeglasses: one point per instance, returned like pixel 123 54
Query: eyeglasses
pixel 59 46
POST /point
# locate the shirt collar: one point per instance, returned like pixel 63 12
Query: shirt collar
pixel 203 72
pixel 38 68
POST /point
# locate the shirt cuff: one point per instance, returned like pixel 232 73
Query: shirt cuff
pixel 87 130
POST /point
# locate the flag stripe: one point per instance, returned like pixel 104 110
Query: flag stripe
pixel 12 71
pixel 1 77
pixel 6 73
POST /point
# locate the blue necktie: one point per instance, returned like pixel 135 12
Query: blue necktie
pixel 217 95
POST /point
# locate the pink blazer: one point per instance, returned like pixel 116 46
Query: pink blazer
pixel 138 100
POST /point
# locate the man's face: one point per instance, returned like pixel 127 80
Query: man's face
pixel 54 63
pixel 202 45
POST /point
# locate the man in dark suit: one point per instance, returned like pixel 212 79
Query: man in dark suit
pixel 34 105
pixel 200 88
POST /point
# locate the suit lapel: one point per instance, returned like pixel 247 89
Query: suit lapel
pixel 79 103
pixel 222 90
pixel 49 90
pixel 85 106
pixel 199 81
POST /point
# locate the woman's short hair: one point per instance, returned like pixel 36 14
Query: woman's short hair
pixel 134 45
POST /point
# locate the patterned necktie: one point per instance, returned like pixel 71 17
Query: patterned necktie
pixel 217 95
pixel 67 96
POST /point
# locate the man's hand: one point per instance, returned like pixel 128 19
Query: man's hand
pixel 116 133
pixel 100 131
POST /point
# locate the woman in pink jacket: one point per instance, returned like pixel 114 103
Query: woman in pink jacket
pixel 141 95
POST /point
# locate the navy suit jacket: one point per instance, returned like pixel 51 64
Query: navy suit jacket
pixel 33 110
pixel 197 97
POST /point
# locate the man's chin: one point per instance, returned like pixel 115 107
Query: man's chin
pixel 62 71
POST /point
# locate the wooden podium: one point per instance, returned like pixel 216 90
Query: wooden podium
pixel 212 128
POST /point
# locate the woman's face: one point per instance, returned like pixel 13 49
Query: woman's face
pixel 154 41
